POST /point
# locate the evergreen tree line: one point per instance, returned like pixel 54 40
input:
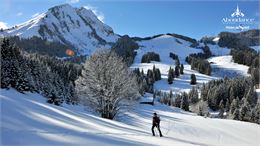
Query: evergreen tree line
pixel 236 97
pixel 173 56
pixel 205 55
pixel 179 69
pixel 125 47
pixel 51 77
pixel 198 61
pixel 40 46
pixel 232 98
pixel 150 56
pixel 146 82
pixel 245 56
pixel 180 100
pixel 249 57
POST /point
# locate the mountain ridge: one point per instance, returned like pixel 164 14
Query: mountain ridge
pixel 77 27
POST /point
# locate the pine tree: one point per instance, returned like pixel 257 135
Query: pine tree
pixel 177 71
pixel 234 105
pixel 184 101
pixel 236 114
pixel 154 96
pixel 12 68
pixel 221 109
pixel 244 114
pixel 170 77
pixel 227 105
pixel 251 96
pixel 193 79
pixel 177 102
pixel 158 74
pixel 255 114
pixel 181 69
pixel 194 95
pixel 142 73
pixel 177 62
pixel 170 98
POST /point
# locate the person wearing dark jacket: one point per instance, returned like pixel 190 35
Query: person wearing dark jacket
pixel 156 123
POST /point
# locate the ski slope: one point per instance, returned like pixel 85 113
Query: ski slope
pixel 163 45
pixel 224 66
pixel 26 119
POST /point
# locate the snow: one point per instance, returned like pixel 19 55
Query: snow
pixel 218 51
pixel 216 39
pixel 26 119
pixel 163 45
pixel 181 84
pixel 258 93
pixel 70 28
pixel 224 66
pixel 257 48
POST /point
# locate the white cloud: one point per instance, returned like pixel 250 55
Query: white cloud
pixel 35 15
pixel 99 14
pixel 3 25
pixel 19 14
pixel 72 1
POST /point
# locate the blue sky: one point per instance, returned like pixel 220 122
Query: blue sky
pixel 145 17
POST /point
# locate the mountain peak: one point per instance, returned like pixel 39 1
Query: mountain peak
pixel 76 27
pixel 62 6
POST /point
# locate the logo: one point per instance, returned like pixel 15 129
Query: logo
pixel 238 20
pixel 237 13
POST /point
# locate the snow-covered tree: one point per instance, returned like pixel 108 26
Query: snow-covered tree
pixel 234 105
pixel 194 95
pixel 221 109
pixel 251 96
pixel 245 110
pixel 184 101
pixel 106 84
pixel 13 67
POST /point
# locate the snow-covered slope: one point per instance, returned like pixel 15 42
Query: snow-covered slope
pixel 223 66
pixel 26 119
pixel 163 45
pixel 77 27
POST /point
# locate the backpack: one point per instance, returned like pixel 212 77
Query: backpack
pixel 158 120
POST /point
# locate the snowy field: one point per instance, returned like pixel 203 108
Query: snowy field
pixel 26 119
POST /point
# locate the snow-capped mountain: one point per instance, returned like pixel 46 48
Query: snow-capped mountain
pixel 76 27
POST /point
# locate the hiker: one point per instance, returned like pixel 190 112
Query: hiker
pixel 156 123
